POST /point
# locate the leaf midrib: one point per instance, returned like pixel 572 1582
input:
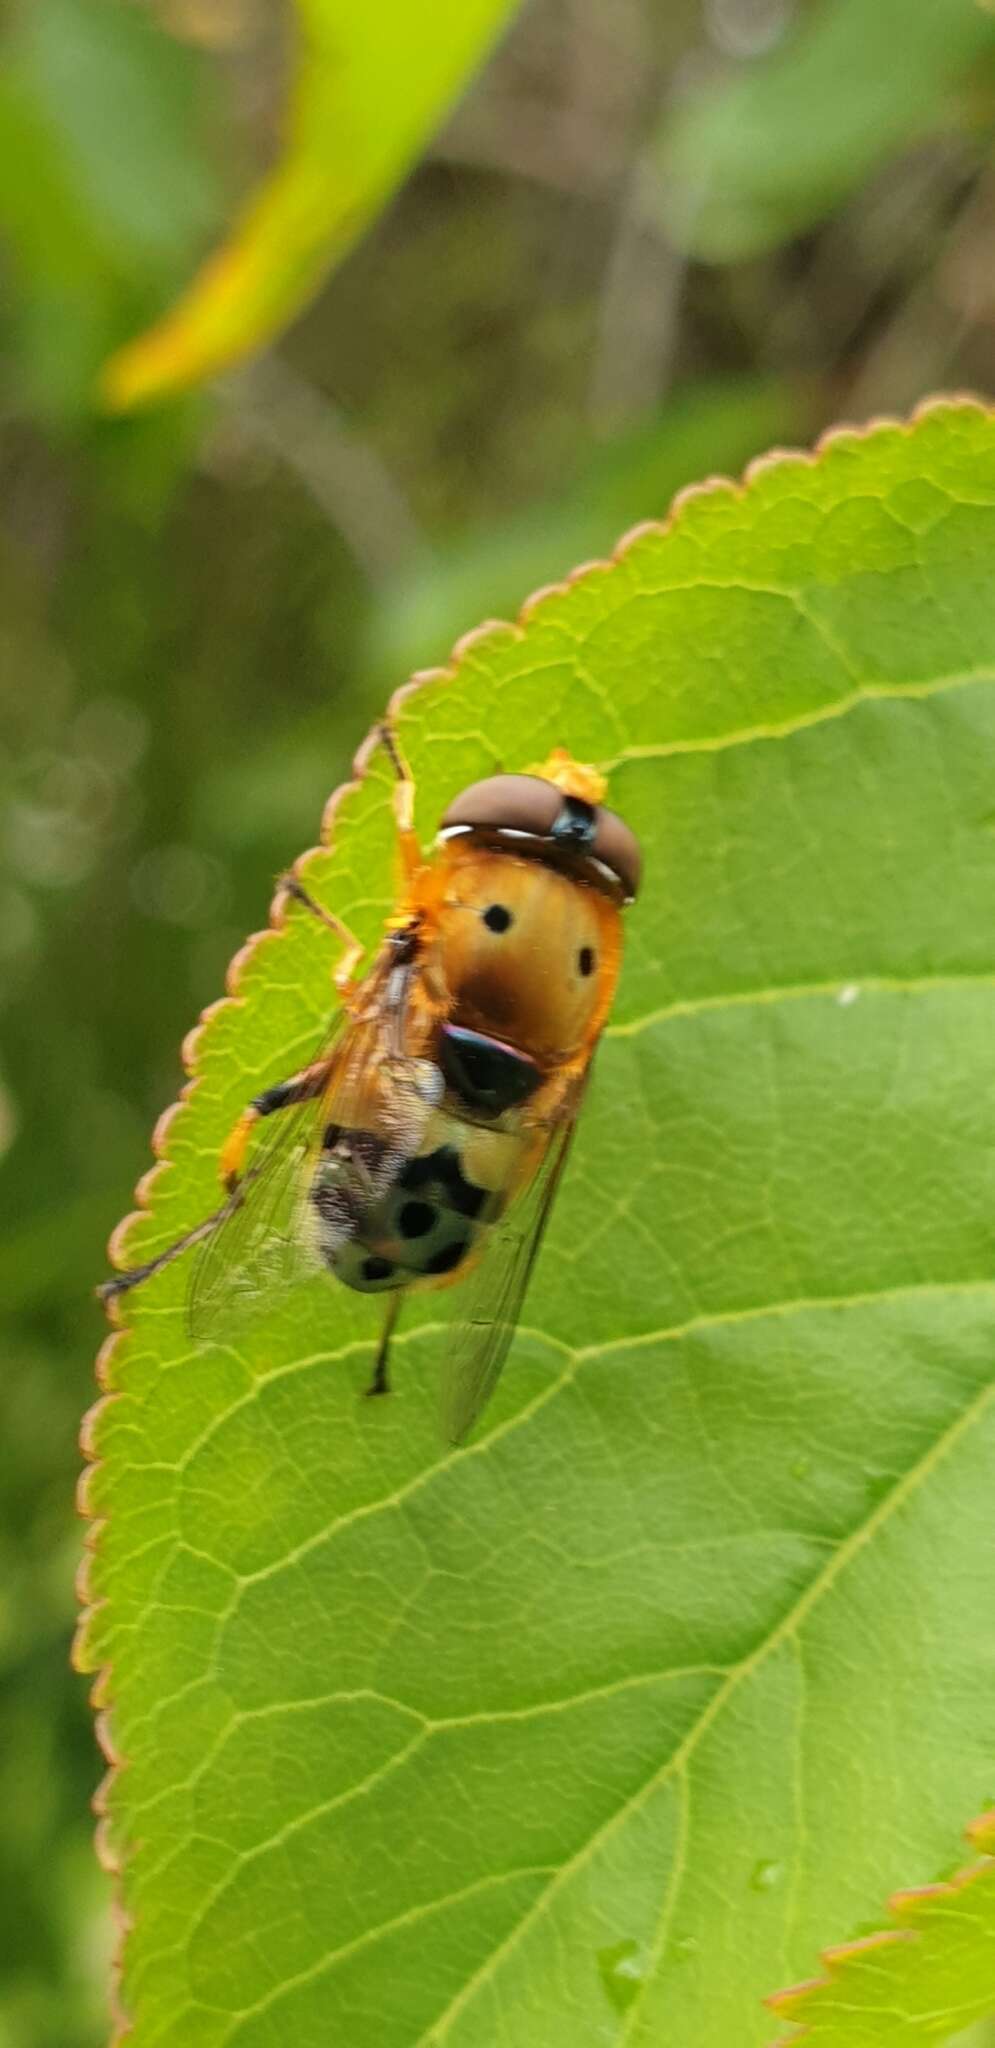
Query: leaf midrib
pixel 784 1631
pixel 674 1765
pixel 803 991
pixel 819 714
pixel 576 1356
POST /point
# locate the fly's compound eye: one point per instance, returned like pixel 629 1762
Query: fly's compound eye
pixel 497 917
pixel 560 826
pixel 586 960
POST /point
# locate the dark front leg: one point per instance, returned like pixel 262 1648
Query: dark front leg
pixel 303 1087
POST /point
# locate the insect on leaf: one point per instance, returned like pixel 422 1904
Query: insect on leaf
pixel 597 1728
pixel 494 1296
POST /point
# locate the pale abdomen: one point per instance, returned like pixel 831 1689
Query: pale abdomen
pixel 384 1220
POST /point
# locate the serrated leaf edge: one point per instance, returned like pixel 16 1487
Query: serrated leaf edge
pixel 109 1357
pixel 909 1908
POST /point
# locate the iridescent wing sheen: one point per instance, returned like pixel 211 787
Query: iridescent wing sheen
pixel 259 1248
pixel 263 1244
pixel 496 1288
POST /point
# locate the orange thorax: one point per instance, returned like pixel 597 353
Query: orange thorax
pixel 524 952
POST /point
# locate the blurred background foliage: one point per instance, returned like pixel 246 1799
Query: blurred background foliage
pixel 655 237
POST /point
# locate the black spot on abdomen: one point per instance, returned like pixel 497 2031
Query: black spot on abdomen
pixel 450 1256
pixel 416 1219
pixel 442 1170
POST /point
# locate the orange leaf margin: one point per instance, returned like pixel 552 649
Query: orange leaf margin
pixel 982 1831
pixel 910 1909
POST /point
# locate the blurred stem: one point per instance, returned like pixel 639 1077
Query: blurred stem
pixel 927 332
pixel 638 313
pixel 641 291
pixel 281 412
pixel 893 231
pixel 522 138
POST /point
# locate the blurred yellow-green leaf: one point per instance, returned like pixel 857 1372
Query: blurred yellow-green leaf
pixel 371 85
pixel 107 190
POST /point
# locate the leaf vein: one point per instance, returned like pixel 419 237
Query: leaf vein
pixel 800 992
pixel 784 1631
pixel 821 714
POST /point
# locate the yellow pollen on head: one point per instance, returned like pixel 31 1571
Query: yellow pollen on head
pixel 575 778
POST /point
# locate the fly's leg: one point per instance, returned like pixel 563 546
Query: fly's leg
pixel 354 949
pixel 380 1382
pixel 302 1087
pixel 310 1082
pixel 122 1283
pixel 404 803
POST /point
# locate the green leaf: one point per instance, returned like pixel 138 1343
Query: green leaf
pixel 372 84
pixel 597 1729
pixel 770 151
pixel 930 1971
pixel 103 213
pixel 483 573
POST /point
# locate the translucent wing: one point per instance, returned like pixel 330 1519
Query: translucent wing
pixel 258 1248
pixel 497 1287
pixel 262 1244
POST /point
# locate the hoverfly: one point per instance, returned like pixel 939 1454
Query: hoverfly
pixel 426 1141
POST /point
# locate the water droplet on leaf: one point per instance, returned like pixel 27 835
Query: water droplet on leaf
pixel 765 1875
pixel 622 1969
